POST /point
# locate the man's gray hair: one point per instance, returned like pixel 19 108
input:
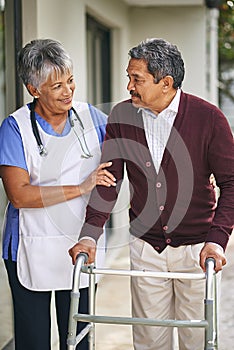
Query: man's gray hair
pixel 162 59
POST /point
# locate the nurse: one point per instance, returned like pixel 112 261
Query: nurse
pixel 49 163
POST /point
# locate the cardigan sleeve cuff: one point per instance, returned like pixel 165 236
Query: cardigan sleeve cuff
pixel 87 237
pixel 218 236
pixel 90 231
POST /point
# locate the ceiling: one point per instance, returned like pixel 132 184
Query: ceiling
pixel 144 3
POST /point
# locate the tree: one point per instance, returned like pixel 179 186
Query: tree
pixel 226 50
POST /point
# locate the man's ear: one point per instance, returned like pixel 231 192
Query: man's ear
pixel 168 82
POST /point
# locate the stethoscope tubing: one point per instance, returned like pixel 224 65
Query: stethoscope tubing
pixel 42 150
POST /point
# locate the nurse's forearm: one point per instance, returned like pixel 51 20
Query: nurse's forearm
pixel 38 197
pixel 22 194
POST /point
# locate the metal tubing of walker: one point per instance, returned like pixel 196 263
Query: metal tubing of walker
pixel 92 311
pixel 172 275
pixel 208 323
pixel 74 304
pixel 141 321
pixel 216 311
pixel 210 307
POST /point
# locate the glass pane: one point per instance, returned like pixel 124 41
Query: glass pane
pixel 98 68
pixel 90 70
pixel 98 63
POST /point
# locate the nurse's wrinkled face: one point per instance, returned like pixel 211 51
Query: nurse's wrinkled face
pixel 57 92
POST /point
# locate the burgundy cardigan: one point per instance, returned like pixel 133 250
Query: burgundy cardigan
pixel 177 206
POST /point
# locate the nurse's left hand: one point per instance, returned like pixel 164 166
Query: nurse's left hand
pixel 100 176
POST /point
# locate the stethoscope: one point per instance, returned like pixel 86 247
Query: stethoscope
pixel 82 141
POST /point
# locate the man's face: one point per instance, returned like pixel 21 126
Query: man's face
pixel 144 92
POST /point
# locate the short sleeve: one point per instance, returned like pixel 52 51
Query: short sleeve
pixel 11 145
pixel 99 120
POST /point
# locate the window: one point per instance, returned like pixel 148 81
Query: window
pixel 98 64
pixel 12 44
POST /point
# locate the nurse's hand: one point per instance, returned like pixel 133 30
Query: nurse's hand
pixel 87 246
pixel 100 176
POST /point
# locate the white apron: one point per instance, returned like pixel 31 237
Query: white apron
pixel 46 234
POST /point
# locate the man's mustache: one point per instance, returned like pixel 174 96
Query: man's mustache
pixel 132 93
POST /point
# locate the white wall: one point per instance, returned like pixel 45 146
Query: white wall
pixel 184 27
pixel 65 21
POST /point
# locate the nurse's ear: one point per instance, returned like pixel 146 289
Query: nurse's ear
pixel 33 91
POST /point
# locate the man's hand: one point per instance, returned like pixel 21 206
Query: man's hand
pixel 211 250
pixel 84 246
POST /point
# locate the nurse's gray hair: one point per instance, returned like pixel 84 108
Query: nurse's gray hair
pixel 162 59
pixel 40 58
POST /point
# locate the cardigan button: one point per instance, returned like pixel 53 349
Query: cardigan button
pixel 148 164
pixel 161 208
pixel 168 240
pixel 165 228
pixel 158 184
pixel 157 248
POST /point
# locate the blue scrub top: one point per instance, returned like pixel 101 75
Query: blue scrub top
pixel 12 154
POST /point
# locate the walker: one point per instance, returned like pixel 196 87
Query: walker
pixel 209 323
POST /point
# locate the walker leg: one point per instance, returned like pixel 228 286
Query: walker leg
pixel 92 311
pixel 74 302
pixel 211 307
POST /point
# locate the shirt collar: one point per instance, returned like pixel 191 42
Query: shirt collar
pixel 174 105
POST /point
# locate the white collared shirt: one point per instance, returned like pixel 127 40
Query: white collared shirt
pixel 158 128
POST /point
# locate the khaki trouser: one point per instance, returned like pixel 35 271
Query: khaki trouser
pixel 166 298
